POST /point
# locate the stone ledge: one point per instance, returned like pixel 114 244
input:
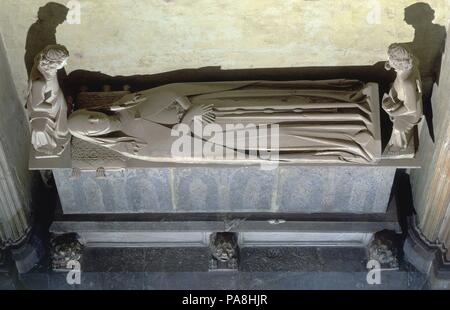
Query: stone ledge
pixel 264 226
pixel 195 233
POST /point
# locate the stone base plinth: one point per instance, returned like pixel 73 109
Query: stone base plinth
pixel 287 189
pixel 185 230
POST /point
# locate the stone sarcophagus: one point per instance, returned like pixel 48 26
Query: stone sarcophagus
pixel 327 160
pixel 287 189
pixel 95 175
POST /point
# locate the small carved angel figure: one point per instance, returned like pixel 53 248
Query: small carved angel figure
pixel 46 105
pixel 404 101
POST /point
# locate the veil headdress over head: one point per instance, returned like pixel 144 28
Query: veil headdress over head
pixel 401 58
pixel 49 58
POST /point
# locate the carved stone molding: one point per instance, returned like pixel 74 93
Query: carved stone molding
pixel 14 224
pixel 224 251
pixel 65 248
pixel 427 257
pixel 14 195
pixel 384 250
pixel 431 184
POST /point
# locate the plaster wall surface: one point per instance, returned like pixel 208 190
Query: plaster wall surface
pixel 123 37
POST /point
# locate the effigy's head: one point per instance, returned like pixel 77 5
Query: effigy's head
pixel 89 123
pixel 400 58
pixel 52 58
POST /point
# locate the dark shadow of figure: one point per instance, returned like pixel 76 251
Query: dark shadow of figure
pixel 428 46
pixel 43 32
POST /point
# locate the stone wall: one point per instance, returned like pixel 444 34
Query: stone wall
pixel 431 184
pixel 124 37
pixel 15 179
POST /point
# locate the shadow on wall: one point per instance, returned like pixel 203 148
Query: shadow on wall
pixel 402 193
pixel 428 46
pixel 43 32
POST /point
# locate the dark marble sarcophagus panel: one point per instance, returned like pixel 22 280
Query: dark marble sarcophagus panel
pixel 287 189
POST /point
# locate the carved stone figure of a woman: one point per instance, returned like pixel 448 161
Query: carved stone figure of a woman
pixel 326 121
pixel 46 105
pixel 404 102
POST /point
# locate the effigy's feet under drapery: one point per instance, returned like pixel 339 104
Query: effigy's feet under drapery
pixel 318 120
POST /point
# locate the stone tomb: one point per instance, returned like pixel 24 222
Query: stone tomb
pixel 109 203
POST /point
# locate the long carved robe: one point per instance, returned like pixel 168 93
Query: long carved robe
pixel 324 121
pixel 47 113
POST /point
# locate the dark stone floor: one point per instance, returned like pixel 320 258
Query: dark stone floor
pixel 303 259
pixel 6 283
pixel 287 268
pixel 141 260
pixel 401 280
